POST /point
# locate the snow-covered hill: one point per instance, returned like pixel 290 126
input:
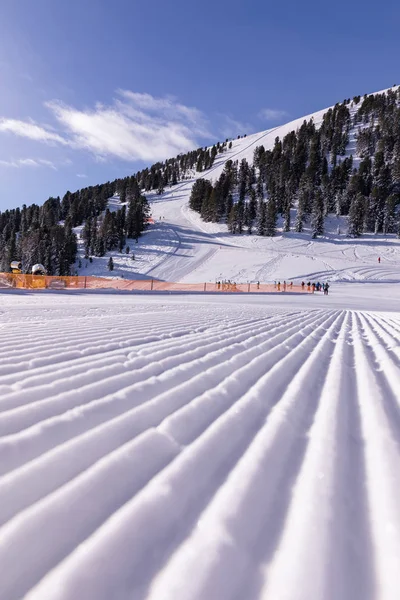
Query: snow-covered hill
pixel 182 247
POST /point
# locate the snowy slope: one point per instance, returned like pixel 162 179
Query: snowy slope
pixel 181 247
pixel 176 448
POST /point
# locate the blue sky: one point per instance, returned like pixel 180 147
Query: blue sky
pixel 92 90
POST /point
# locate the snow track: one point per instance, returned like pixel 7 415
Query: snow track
pixel 182 451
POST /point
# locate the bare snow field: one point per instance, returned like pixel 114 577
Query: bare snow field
pixel 190 447
pixel 181 247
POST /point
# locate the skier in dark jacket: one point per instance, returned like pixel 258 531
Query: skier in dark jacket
pixel 326 289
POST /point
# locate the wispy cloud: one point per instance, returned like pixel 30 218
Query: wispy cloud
pixel 272 114
pixel 29 129
pixel 81 175
pixel 169 108
pixel 28 162
pixel 134 127
pixel 231 128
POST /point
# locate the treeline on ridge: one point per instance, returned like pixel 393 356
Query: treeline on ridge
pixel 44 234
pixel 309 170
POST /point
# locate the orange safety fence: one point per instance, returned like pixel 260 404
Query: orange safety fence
pixel 32 282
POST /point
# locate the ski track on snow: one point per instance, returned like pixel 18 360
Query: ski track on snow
pixel 200 451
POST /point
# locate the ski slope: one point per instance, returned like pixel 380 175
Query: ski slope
pixel 191 447
pixel 181 247
pixel 205 446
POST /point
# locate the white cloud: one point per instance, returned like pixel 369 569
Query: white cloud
pixel 81 175
pixel 167 107
pixel 135 127
pixel 31 130
pixel 272 114
pixel 231 128
pixel 47 163
pixel 28 162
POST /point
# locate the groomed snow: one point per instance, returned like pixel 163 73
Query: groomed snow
pixel 219 447
pixel 177 447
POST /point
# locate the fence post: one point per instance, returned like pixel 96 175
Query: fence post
pixel 85 283
pixel 151 285
pixel 248 289
pixel 205 284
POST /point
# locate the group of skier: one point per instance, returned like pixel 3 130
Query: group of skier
pixel 284 285
pixel 226 285
pixel 316 287
pixel 230 286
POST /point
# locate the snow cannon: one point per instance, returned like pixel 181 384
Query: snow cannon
pixel 16 267
pixel 38 280
pixel 38 270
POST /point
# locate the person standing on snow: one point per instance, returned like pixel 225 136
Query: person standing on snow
pixel 326 289
pixel 379 259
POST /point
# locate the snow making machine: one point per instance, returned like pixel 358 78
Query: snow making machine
pixel 38 276
pixel 16 267
pixel 38 270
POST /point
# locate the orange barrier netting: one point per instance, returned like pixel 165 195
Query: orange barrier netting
pixel 32 282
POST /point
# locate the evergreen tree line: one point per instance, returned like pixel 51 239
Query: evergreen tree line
pixel 163 174
pixel 309 169
pixel 109 232
pixel 44 234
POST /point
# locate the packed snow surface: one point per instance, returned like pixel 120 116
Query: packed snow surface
pixel 193 447
pixel 221 447
pixel 179 246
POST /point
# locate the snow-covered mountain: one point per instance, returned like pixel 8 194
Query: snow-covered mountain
pixel 180 246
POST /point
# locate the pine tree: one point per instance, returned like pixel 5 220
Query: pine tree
pixel 160 188
pixel 317 218
pixel 201 191
pixel 252 206
pixel 100 248
pixel 229 204
pixel 240 216
pixel 243 178
pixel 357 215
pixel 261 218
pixel 299 226
pixel 232 219
pixel 389 214
pixel 209 207
pixel 286 225
pixel 12 247
pixel 270 218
